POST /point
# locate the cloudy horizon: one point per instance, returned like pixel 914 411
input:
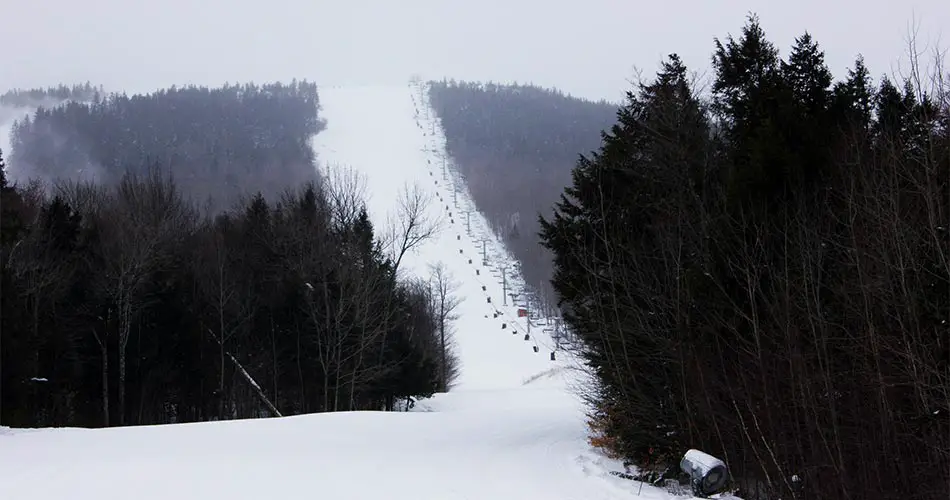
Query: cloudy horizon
pixel 590 49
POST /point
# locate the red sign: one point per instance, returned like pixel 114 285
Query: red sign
pixel 522 313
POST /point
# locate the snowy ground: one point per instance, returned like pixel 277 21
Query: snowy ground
pixel 511 429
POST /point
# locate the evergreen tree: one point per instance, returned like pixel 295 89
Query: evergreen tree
pixel 649 165
pixel 751 99
pixel 11 223
pixel 775 295
pixel 808 124
pixel 747 71
pixel 854 98
pixel 808 76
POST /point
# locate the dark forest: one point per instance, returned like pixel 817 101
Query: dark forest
pixel 125 301
pixel 765 274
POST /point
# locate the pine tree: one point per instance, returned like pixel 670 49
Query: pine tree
pixel 808 125
pixel 808 76
pixel 746 71
pixel 854 98
pixel 11 222
pixel 751 99
pixel 894 111
pixel 60 225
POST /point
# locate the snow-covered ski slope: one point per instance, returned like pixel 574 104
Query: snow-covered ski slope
pixel 511 429
pixel 388 135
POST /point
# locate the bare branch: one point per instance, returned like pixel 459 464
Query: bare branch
pixel 414 224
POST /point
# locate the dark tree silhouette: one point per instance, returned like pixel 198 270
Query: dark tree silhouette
pixel 765 276
pixel 121 305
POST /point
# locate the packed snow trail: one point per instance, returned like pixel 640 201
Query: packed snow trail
pixel 511 429
pixel 373 130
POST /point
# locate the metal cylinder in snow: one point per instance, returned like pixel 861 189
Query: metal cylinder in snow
pixel 707 473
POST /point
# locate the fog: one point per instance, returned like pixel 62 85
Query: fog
pixel 588 48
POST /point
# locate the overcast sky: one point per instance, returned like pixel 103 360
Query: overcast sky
pixel 589 48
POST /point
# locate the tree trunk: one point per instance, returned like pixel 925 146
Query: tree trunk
pixel 104 351
pixel 122 387
pixel 257 388
pixel 273 345
pixel 445 385
pixel 221 338
pixel 122 384
pixel 125 319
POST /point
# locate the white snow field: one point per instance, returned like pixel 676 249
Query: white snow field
pixel 510 429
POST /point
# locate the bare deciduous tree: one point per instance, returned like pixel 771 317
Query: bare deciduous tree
pixel 413 225
pixel 147 219
pixel 444 296
pixel 345 190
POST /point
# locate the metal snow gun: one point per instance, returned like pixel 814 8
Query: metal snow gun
pixel 707 474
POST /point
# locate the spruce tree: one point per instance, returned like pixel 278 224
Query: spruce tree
pixel 606 236
pixel 808 126
pixel 808 76
pixel 853 99
pixel 749 98
pixel 11 224
pixel 746 71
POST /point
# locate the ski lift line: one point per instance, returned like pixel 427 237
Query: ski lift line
pixel 516 325
pixel 521 329
pixel 480 229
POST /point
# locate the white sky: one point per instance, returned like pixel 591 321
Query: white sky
pixel 589 48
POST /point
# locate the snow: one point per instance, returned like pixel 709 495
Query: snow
pixel 511 428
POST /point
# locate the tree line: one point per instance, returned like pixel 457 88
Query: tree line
pixel 764 274
pixel 515 145
pixel 125 304
pixel 36 97
pixel 218 143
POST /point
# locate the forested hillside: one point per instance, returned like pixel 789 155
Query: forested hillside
pixel 515 145
pixel 122 305
pixel 776 293
pixel 126 302
pixel 221 143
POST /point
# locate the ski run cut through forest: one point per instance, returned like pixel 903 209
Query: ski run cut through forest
pixel 512 427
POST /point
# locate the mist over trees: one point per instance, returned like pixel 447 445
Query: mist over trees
pixel 765 274
pixel 218 143
pixel 515 146
pixel 181 260
pixel 50 96
pixel 121 305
